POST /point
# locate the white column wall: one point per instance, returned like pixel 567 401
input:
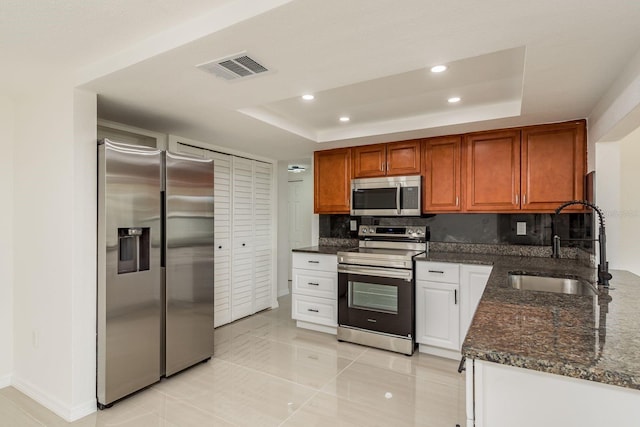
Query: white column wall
pixel 617 180
pixel 608 191
pixel 83 320
pixel 6 239
pixel 630 202
pixel 54 249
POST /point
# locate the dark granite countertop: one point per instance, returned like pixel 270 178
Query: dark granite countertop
pixel 322 249
pixel 594 338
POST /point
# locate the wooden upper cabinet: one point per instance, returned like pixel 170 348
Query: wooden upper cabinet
pixel 369 160
pixel 553 165
pixel 442 174
pixel 332 181
pixel 403 158
pixel 392 159
pixel 492 182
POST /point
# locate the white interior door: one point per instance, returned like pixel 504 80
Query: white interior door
pixel 262 218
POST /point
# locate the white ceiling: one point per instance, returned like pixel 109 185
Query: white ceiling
pixel 513 62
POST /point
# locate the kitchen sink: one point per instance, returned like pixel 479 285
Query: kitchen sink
pixel 562 285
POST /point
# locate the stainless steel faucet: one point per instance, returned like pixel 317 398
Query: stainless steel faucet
pixel 603 267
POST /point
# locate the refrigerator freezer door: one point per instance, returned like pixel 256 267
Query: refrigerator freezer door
pixel 189 261
pixel 129 273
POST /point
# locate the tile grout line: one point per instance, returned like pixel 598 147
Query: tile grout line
pixel 24 411
pixel 319 390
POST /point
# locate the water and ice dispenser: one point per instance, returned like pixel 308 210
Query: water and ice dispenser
pixel 134 247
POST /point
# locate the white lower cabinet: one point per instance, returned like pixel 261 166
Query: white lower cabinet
pixel 473 280
pixel 314 300
pixel 438 319
pixel 447 295
pixel 507 396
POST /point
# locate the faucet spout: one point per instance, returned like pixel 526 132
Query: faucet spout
pixel 603 266
pixel 555 246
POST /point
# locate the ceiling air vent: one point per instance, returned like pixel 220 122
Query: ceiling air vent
pixel 233 67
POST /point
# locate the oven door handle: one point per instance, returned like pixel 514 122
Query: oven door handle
pixel 379 272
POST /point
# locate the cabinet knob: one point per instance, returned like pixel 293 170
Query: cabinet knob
pixel 219 246
pixel 244 244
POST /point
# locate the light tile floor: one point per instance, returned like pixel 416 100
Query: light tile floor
pixel 267 372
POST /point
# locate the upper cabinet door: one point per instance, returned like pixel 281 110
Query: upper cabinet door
pixel 392 159
pixel 332 181
pixel 553 165
pixel 441 171
pixel 403 158
pixel 492 171
pixel 369 161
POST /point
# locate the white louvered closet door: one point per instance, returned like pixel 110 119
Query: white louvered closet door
pixel 222 238
pixel 263 252
pixel 242 269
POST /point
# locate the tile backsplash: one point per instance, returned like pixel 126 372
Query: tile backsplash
pixel 479 228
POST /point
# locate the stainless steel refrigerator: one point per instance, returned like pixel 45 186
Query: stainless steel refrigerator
pixel 155 266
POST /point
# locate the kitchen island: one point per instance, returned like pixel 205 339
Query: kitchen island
pixel 543 358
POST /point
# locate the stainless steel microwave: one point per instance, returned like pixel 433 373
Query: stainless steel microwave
pixel 387 196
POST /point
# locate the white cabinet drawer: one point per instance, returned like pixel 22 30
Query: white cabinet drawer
pixel 315 310
pixel 309 261
pixel 322 284
pixel 444 272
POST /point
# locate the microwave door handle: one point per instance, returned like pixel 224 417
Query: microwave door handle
pixel 398 198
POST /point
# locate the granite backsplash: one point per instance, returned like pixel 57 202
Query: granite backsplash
pixel 491 229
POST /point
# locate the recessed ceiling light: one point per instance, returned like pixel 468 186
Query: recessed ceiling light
pixel 344 119
pixel 454 99
pixel 438 68
pixel 308 97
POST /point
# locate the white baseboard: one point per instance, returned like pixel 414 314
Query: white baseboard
pixel 441 352
pixel 283 292
pixel 69 414
pixel 5 381
pixel 82 410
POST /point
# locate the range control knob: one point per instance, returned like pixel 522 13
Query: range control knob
pixel 372 230
pixel 364 230
pixel 410 231
pixel 419 232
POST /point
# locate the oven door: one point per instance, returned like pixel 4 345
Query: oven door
pixel 376 299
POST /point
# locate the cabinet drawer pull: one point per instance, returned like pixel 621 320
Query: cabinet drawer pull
pixel 313 310
pixel 313 262
pixel 455 296
pixel 372 320
pixel 313 284
pixel 436 271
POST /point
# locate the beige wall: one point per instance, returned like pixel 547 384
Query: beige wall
pixel 630 201
pixel 618 194
pixel 6 239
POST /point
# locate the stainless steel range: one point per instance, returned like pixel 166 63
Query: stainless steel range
pixel 376 287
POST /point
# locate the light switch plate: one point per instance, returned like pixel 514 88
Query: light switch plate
pixel 353 225
pixel 521 228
